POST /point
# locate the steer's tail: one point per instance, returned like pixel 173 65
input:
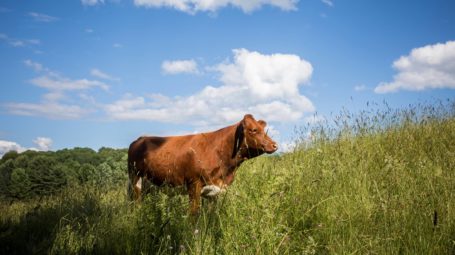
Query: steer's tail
pixel 131 174
pixel 135 155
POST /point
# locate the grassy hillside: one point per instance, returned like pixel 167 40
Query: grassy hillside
pixel 377 182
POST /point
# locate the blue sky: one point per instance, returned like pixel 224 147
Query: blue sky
pixel 97 73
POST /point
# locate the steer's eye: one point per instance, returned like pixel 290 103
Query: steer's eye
pixel 253 130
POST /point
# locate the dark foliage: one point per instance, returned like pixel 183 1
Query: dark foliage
pixel 34 174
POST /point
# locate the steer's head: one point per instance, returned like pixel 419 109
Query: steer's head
pixel 252 138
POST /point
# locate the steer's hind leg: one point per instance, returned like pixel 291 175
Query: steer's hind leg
pixel 136 185
pixel 194 192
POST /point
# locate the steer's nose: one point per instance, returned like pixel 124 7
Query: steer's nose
pixel 275 146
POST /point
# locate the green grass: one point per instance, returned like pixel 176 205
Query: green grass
pixel 377 182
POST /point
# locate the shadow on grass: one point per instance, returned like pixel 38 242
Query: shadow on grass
pixel 35 231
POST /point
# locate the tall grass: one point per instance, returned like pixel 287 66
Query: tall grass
pixel 376 182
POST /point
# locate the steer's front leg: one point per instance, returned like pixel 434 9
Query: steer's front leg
pixel 194 192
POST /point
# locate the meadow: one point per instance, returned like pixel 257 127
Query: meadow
pixel 380 181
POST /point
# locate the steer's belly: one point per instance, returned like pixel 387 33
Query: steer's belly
pixel 168 178
pixel 164 168
pixel 151 188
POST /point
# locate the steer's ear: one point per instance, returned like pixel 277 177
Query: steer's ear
pixel 248 116
pixel 262 123
pixel 248 121
pixel 238 138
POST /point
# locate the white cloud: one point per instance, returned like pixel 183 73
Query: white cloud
pixel 193 6
pixel 58 83
pixel 267 76
pixel 18 42
pixel 102 75
pixel 6 146
pixel 360 87
pixel 265 85
pixel 428 67
pixel 287 146
pixel 91 2
pixel 328 2
pixel 314 119
pixel 40 17
pixel 117 45
pixel 34 41
pixel 179 66
pixel 34 65
pixel 89 30
pixel 272 131
pixel 54 96
pixel 52 110
pixel 57 102
pixel 44 144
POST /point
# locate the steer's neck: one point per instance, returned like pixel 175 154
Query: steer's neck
pixel 223 142
pixel 226 145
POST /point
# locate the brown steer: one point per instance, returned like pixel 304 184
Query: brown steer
pixel 197 161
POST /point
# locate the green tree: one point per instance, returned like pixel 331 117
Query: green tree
pixel 81 155
pixel 70 169
pixel 6 168
pixel 103 174
pixel 9 155
pixel 119 171
pixel 19 185
pixel 86 174
pixel 45 177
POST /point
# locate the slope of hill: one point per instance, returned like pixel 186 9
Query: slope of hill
pixel 378 182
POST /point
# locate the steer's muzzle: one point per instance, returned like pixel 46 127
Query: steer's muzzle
pixel 270 148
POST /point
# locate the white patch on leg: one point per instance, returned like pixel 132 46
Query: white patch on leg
pixel 139 183
pixel 210 191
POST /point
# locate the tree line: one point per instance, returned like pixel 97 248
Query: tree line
pixel 33 174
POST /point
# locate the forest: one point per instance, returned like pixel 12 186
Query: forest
pixel 34 174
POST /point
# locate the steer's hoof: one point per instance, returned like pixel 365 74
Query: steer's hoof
pixel 210 191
